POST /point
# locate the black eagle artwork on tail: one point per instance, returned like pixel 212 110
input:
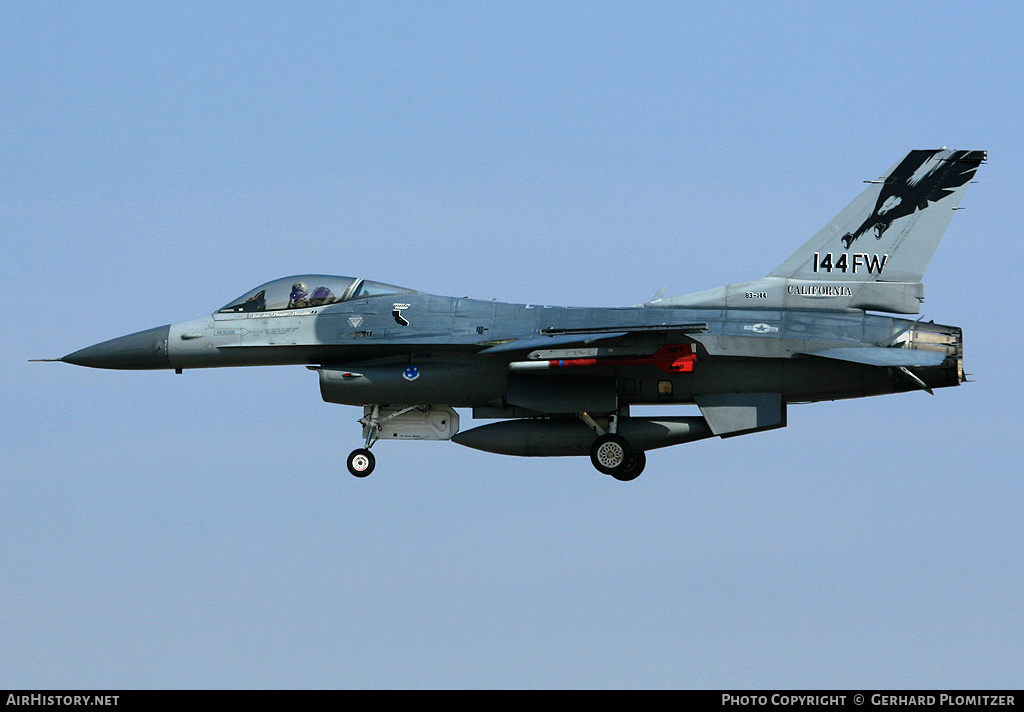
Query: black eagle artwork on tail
pixel 915 183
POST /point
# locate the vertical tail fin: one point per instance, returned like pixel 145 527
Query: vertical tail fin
pixel 894 226
pixel 872 255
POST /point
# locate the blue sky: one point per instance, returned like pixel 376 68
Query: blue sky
pixel 201 530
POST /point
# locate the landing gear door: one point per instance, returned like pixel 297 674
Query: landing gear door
pixel 416 423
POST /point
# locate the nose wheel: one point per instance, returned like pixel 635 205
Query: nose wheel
pixel 360 462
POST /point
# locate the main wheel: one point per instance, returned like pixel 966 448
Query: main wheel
pixel 636 465
pixel 360 462
pixel 610 454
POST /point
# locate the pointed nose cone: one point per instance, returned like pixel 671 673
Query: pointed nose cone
pixel 146 349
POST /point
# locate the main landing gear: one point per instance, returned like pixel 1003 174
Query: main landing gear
pixel 611 454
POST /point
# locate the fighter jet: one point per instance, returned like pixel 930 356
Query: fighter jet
pixel 560 381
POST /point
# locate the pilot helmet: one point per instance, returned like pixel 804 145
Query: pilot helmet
pixel 298 291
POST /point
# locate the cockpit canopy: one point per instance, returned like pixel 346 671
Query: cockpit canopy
pixel 307 290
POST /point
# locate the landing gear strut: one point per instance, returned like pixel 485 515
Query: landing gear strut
pixel 361 461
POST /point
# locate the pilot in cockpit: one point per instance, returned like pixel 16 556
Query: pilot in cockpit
pixel 299 298
pixel 321 296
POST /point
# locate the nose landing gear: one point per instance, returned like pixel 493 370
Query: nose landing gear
pixel 361 461
pixel 413 422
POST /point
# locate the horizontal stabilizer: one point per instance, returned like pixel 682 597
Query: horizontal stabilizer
pixel 879 356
